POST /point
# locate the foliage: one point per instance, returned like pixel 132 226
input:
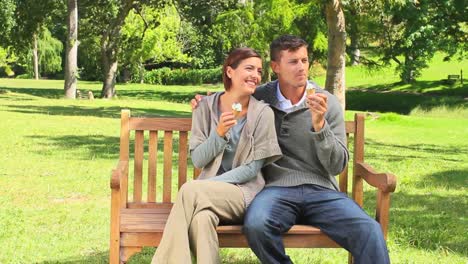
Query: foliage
pixel 257 23
pixel 7 57
pixel 254 24
pixel 7 20
pixel 166 76
pixel 150 36
pixel 20 20
pixel 203 50
pixel 415 30
pixel 197 33
pixel 89 58
pixel 31 16
pixel 50 51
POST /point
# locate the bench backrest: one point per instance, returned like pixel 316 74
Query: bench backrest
pixel 168 137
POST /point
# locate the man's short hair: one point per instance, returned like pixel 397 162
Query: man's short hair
pixel 285 42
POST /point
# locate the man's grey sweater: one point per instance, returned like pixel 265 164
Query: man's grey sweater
pixel 309 157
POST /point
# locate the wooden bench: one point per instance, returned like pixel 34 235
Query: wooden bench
pixel 452 78
pixel 140 204
pixel 84 96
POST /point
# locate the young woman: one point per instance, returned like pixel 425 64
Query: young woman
pixel 233 137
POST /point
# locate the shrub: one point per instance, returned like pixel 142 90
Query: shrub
pixel 25 76
pixel 166 76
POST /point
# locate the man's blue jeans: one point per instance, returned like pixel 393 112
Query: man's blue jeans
pixel 275 209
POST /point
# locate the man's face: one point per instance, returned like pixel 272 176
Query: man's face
pixel 292 67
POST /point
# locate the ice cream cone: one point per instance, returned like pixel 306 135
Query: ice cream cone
pixel 236 109
pixel 310 91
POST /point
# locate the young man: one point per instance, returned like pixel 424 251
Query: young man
pixel 301 186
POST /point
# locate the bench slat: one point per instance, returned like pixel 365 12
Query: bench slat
pixel 138 166
pixel 238 240
pixel 167 177
pixel 160 123
pixel 343 180
pixel 153 220
pixel 183 150
pixel 152 165
pixel 349 125
pixel 132 205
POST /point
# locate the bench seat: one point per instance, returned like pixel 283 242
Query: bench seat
pixel 144 227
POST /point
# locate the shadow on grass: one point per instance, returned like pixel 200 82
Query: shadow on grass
pixel 439 87
pixel 176 97
pixel 141 94
pixel 97 258
pixel 402 103
pixel 97 146
pixel 450 179
pixel 430 221
pixel 426 152
pixel 50 93
pixel 107 112
pixel 144 256
pixel 380 98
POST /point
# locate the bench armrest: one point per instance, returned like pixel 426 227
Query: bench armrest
pixel 118 173
pixel 386 182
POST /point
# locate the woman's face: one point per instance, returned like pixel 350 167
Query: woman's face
pixel 246 76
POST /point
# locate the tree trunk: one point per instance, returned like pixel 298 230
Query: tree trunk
pixel 335 82
pixel 266 67
pixel 408 73
pixel 109 63
pixel 354 35
pixel 110 44
pixel 355 51
pixel 35 58
pixel 71 67
pixel 141 71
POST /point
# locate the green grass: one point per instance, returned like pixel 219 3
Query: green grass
pixel 380 90
pixel 56 156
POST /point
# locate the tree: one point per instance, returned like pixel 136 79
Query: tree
pixel 256 24
pixel 26 32
pixel 110 47
pixel 354 24
pixel 49 52
pixel 335 81
pixel 7 20
pixel 411 32
pixel 150 36
pixel 106 18
pixel 198 33
pixel 7 57
pixel 71 67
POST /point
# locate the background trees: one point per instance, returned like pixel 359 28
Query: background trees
pixel 414 31
pixel 120 40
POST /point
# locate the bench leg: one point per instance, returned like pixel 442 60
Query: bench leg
pixel 350 259
pixel 114 254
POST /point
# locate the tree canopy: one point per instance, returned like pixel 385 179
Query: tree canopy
pixel 120 40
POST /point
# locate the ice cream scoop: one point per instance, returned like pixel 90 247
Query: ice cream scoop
pixel 310 89
pixel 236 109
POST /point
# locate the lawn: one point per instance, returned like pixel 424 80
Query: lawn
pixel 57 154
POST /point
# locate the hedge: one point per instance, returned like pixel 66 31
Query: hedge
pixel 183 76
